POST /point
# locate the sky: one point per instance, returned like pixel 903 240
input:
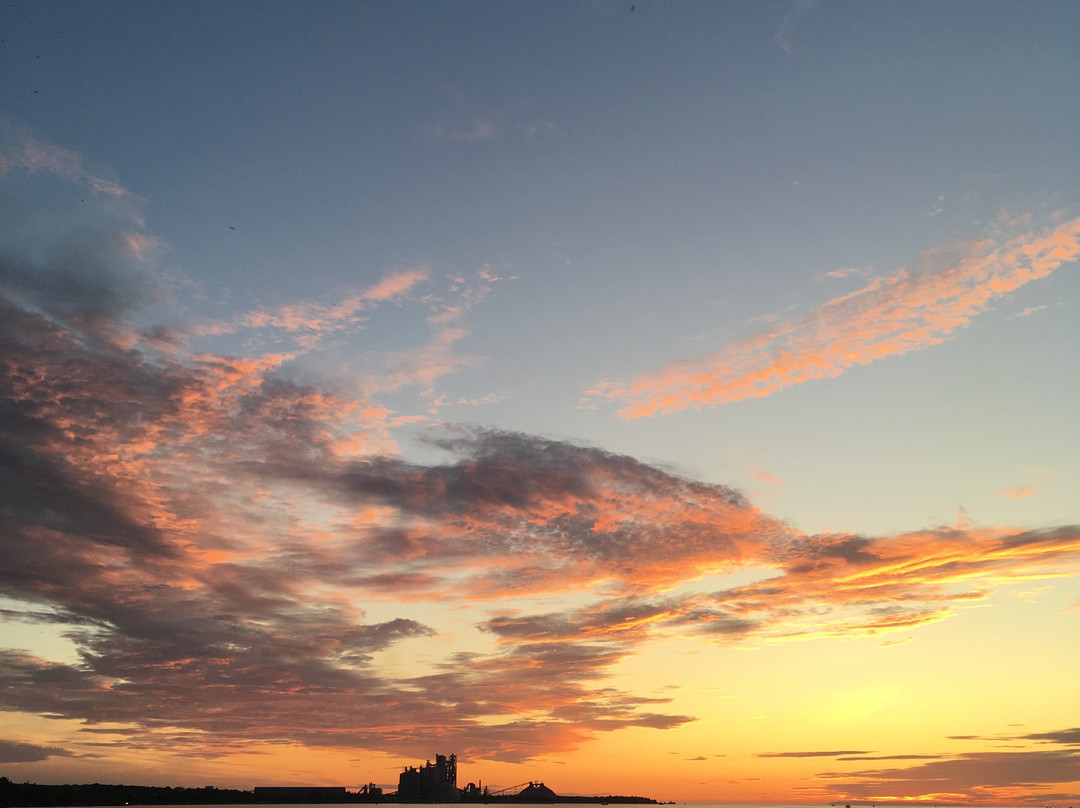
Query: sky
pixel 664 398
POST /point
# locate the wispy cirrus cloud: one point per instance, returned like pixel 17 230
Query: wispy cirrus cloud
pixel 467 119
pixel 19 148
pixel 1016 492
pixel 313 320
pixel 909 310
pixel 793 18
pixel 996 777
pixel 423 365
pixel 310 324
pixel 1030 310
pixel 1066 737
pixel 346 313
pixel 846 272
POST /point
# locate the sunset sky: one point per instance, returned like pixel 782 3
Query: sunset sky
pixel 665 398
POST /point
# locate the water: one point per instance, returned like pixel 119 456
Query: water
pixel 860 804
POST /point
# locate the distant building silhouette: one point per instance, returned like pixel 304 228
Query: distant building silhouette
pixel 536 792
pixel 430 783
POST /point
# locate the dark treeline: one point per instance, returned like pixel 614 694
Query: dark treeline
pixel 32 795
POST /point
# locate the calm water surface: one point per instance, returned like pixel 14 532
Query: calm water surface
pixel 561 804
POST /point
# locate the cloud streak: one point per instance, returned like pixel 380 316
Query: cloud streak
pixel 793 18
pixel 20 150
pixel 906 311
pixel 18 752
pixel 468 120
pixel 318 317
pixel 307 327
pixel 1016 492
pixel 995 777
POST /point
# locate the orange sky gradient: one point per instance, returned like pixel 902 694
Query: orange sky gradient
pixel 674 400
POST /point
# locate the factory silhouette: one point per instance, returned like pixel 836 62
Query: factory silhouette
pixel 438 783
pixel 431 783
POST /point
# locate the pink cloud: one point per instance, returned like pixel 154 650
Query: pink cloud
pixel 37 155
pixel 470 121
pixel 323 317
pixel 1029 311
pixel 395 285
pixel 1016 492
pixel 907 311
pixel 421 366
pixel 846 272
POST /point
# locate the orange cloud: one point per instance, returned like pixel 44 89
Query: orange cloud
pixel 420 366
pixel 906 311
pixel 395 285
pixel 382 371
pixel 822 586
pixel 1016 492
pixel 320 317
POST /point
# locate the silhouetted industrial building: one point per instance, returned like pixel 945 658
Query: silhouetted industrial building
pixel 536 792
pixel 431 782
